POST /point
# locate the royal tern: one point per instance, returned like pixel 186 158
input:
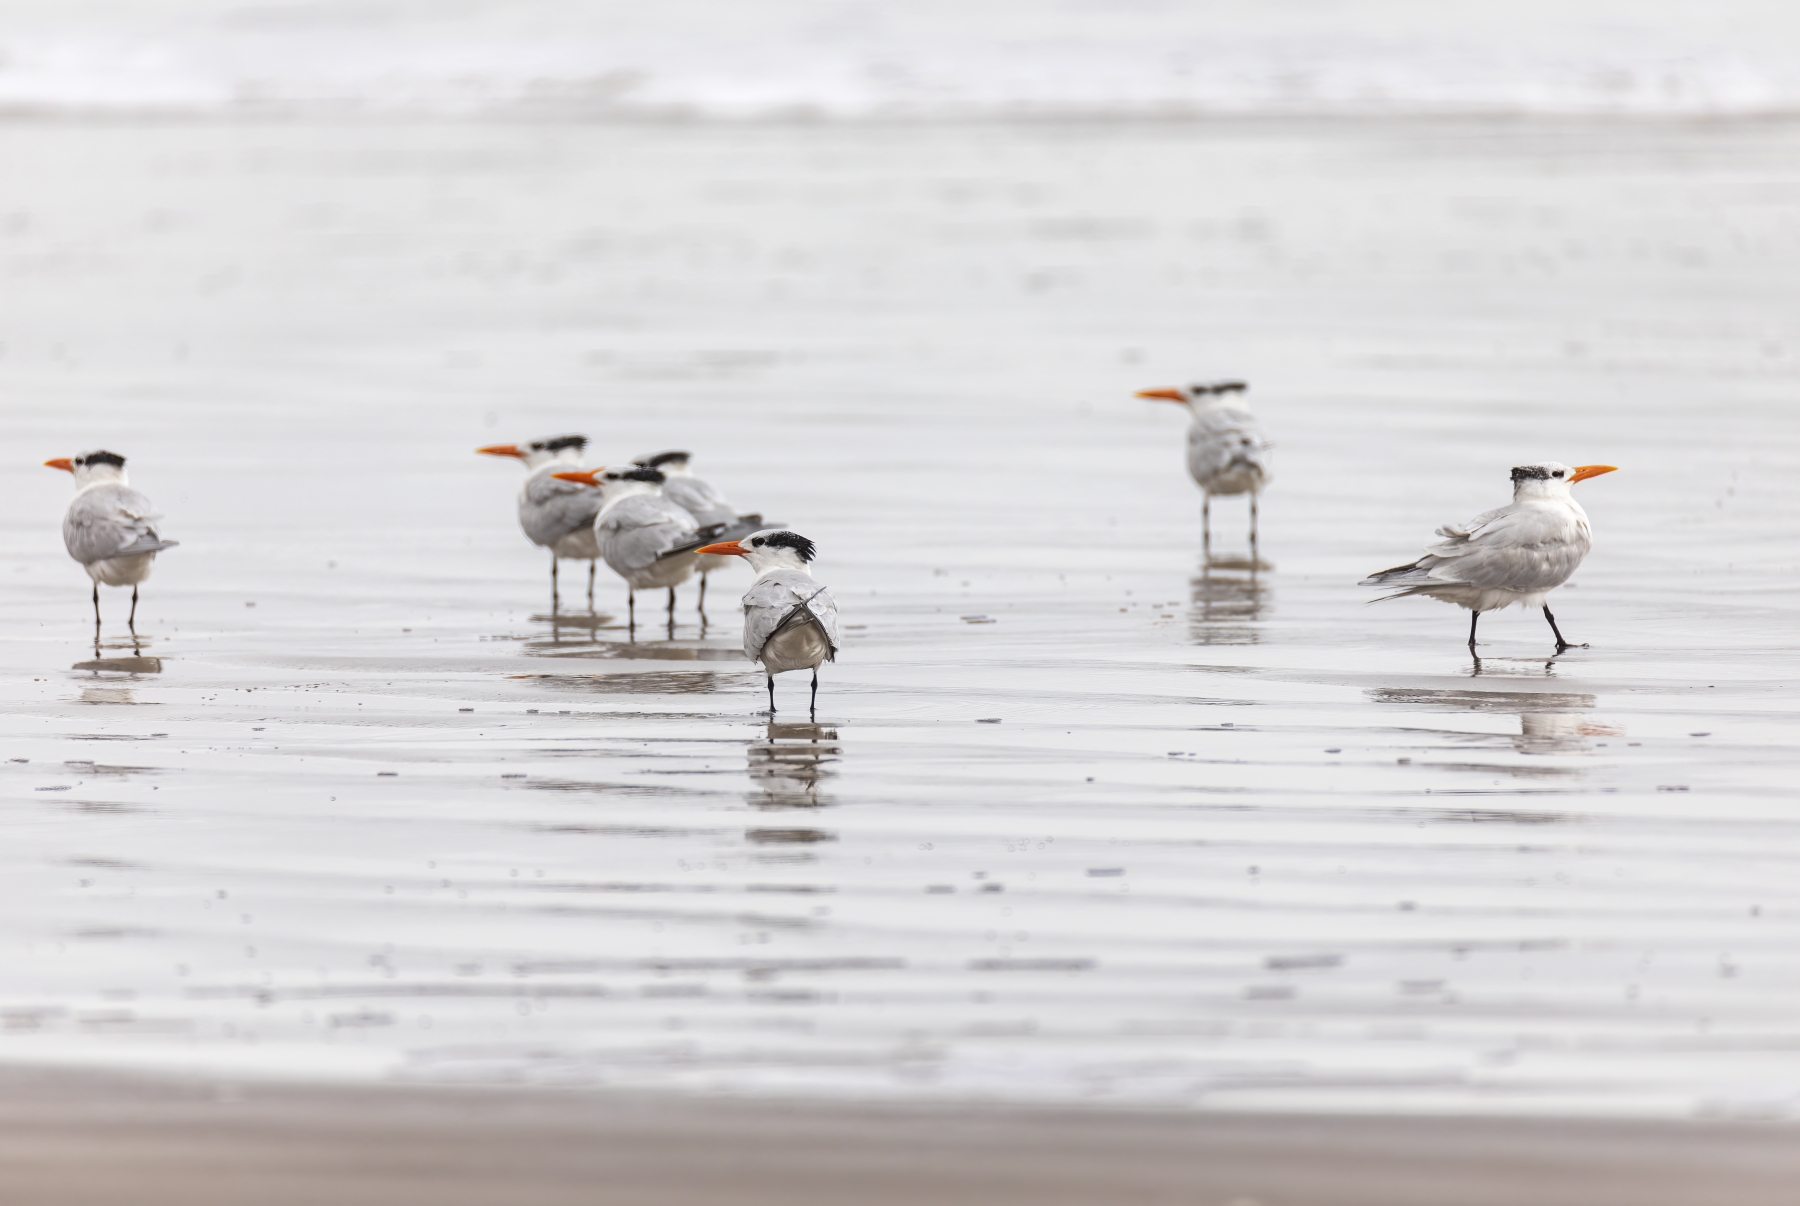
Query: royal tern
pixel 702 500
pixel 555 514
pixel 646 539
pixel 1518 553
pixel 1226 451
pixel 790 621
pixel 109 528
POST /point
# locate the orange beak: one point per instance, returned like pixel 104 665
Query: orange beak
pixel 502 450
pixel 61 462
pixel 1163 395
pixel 584 476
pixel 725 548
pixel 1583 472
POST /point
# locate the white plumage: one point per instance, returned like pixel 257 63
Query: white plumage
pixel 1227 453
pixel 1514 554
pixel 790 621
pixel 703 500
pixel 110 529
pixel 555 514
pixel 642 536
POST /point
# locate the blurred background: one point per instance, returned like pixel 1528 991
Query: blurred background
pixel 1105 854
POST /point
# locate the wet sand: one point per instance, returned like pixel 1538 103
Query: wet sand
pixel 78 1140
pixel 1087 817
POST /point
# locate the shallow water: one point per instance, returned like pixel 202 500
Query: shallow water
pixel 1083 815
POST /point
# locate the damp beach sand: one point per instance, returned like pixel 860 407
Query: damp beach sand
pixel 1092 834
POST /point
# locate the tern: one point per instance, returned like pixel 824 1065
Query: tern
pixel 790 621
pixel 1226 451
pixel 555 515
pixel 1518 553
pixel 110 528
pixel 646 539
pixel 702 500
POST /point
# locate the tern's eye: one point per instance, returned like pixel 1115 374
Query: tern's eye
pixel 757 543
pixel 1559 473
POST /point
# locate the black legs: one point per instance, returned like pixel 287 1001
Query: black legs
pixel 1253 526
pixel 555 602
pixel 1473 616
pixel 813 711
pixel 771 695
pixel 1206 524
pixel 1560 643
pixel 131 620
pixel 671 606
pixel 631 609
pixel 590 588
pixel 702 608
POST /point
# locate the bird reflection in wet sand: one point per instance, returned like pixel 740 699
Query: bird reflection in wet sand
pixel 1228 597
pixel 1550 722
pixel 787 767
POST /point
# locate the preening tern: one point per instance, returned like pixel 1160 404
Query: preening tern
pixel 110 528
pixel 1518 553
pixel 1226 451
pixel 556 515
pixel 790 621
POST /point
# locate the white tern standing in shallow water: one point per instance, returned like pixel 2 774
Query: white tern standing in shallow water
pixel 704 502
pixel 790 621
pixel 1518 553
pixel 556 515
pixel 646 539
pixel 1226 451
pixel 110 528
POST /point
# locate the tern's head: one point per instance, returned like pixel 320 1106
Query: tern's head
pixel 771 548
pixel 618 481
pixel 1201 394
pixel 559 450
pixel 673 463
pixel 1551 479
pixel 91 468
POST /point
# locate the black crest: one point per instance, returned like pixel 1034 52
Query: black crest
pixel 664 458
pixel 788 540
pixel 1522 472
pixel 558 443
pixel 101 458
pixel 637 473
pixel 1219 387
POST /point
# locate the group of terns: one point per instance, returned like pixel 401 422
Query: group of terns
pixel 1516 554
pixel 656 525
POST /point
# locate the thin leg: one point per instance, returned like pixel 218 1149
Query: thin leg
pixel 1206 524
pixel 813 712
pixel 590 588
pixel 702 607
pixel 631 609
pixel 771 695
pixel 131 620
pixel 1473 616
pixel 1560 643
pixel 671 606
pixel 1253 525
pixel 96 615
pixel 553 597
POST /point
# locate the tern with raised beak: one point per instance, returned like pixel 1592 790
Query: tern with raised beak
pixel 556 515
pixel 110 528
pixel 704 502
pixel 1518 553
pixel 790 621
pixel 1227 453
pixel 645 539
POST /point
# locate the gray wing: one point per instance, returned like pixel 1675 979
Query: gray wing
pixel 111 521
pixel 1223 438
pixel 784 598
pixel 550 508
pixel 699 499
pixel 1513 548
pixel 642 528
